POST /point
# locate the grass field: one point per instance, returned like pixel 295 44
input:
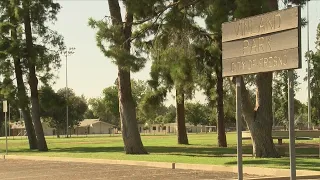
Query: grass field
pixel 163 148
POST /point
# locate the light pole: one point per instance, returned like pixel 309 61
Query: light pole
pixel 308 60
pixel 67 52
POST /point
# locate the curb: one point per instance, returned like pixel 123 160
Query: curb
pixel 287 178
pixel 271 173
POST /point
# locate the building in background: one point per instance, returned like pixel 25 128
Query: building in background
pixel 169 128
pixel 94 126
pixel 18 129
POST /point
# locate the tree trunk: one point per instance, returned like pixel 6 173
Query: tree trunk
pixel 22 96
pixel 58 132
pixel 33 81
pixel 24 105
pixel 129 125
pixel 181 122
pixel 222 140
pixel 259 119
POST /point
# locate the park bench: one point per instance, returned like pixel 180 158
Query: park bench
pixel 280 138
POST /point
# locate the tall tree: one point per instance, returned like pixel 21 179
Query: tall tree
pixel 173 62
pixel 11 24
pixel 173 57
pixel 209 48
pixel 32 79
pixel 39 57
pixel 118 34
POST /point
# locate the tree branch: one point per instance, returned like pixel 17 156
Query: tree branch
pixel 157 17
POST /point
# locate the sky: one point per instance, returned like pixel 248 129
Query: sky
pixel 89 71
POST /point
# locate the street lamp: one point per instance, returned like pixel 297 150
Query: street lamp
pixel 67 52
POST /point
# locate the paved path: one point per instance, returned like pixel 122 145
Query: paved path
pixel 13 169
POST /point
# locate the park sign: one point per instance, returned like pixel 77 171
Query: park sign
pixel 262 43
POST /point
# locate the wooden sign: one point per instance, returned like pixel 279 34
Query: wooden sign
pixel 262 43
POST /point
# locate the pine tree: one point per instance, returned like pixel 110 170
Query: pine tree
pixel 11 25
pixel 173 67
pixel 37 55
pixel 34 15
pixel 172 54
pixel 118 34
pixel 209 51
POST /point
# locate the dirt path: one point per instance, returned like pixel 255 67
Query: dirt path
pixel 53 170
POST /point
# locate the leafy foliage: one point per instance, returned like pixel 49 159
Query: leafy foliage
pixel 111 42
pixel 197 113
pixel 107 107
pixel 314 57
pixel 53 107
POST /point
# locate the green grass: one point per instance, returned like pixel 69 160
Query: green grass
pixel 163 148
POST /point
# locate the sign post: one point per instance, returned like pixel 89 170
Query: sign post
pixel 9 120
pixel 263 43
pixel 239 128
pixel 292 136
pixel 5 110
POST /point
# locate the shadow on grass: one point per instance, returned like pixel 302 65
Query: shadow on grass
pixel 307 151
pixel 302 163
pixel 183 150
pixel 195 151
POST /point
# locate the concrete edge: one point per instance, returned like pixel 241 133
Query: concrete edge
pixel 259 171
pixel 287 178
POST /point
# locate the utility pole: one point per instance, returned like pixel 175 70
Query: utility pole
pixel 68 52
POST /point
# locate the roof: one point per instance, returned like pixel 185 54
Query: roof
pixel 21 125
pixel 90 122
pixel 170 124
